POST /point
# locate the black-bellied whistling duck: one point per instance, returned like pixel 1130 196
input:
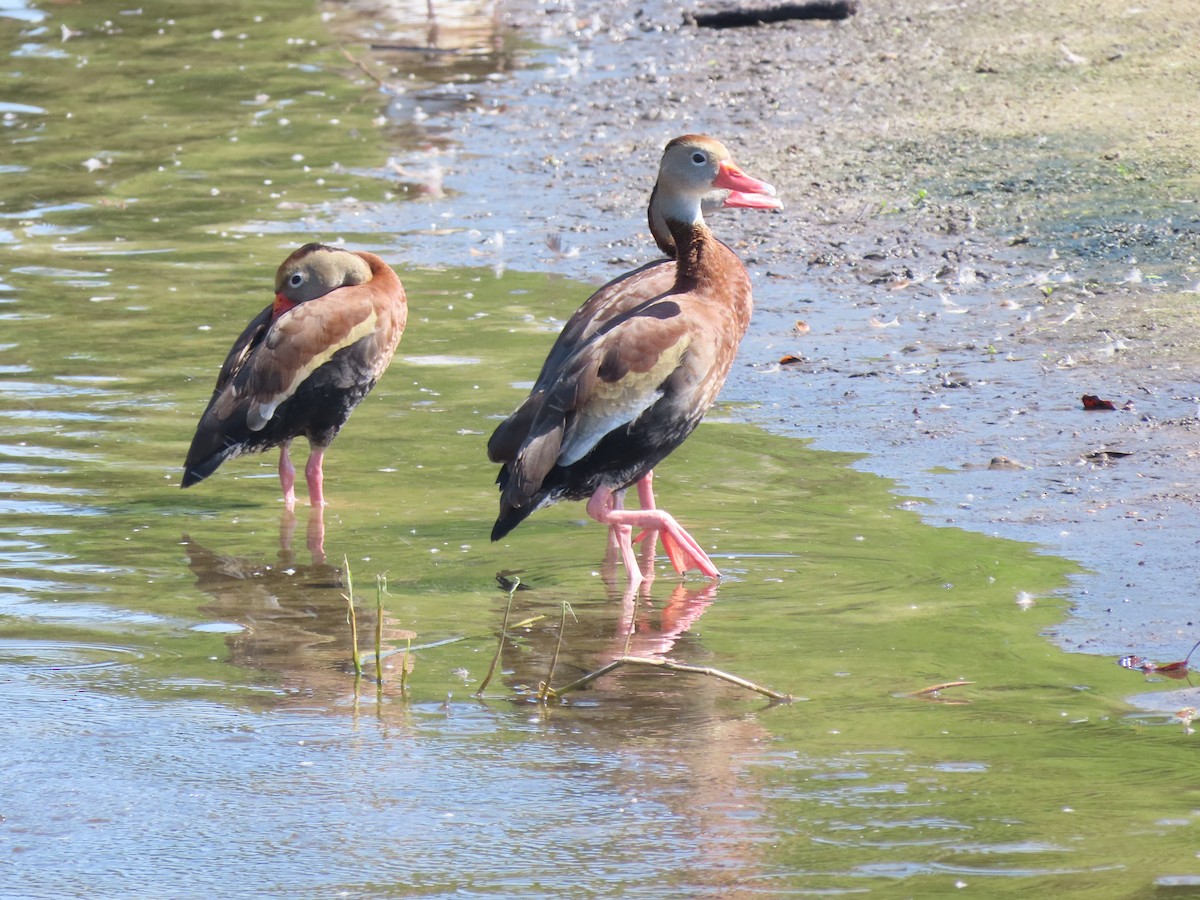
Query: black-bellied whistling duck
pixel 302 364
pixel 637 366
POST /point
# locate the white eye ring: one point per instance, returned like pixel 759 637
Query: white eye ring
pixel 296 280
pixel 699 158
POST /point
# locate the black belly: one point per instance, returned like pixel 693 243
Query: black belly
pixel 620 459
pixel 319 408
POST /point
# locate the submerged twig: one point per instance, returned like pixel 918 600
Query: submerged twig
pixel 516 583
pixel 672 667
pixel 417 48
pixel 352 618
pixel 544 687
pixel 363 68
pixel 632 624
pixel 934 688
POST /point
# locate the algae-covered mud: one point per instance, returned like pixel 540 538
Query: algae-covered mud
pixel 177 667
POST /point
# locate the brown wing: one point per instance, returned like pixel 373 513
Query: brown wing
pixel 300 342
pixel 212 441
pixel 606 385
pixel 615 299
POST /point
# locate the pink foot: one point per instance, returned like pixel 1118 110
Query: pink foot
pixel 679 555
pixel 682 549
pixel 616 501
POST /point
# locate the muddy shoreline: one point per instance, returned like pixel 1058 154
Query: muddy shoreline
pixel 989 213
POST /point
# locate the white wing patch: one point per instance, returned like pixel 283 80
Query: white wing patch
pixel 619 404
pixel 588 431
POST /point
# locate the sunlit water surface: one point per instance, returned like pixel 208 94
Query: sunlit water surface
pixel 181 714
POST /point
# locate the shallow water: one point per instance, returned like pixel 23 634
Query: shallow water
pixel 181 713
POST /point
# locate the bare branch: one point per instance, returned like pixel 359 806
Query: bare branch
pixel 672 667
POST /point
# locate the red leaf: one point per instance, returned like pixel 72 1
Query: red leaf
pixel 1091 401
pixel 1174 669
pixel 1170 670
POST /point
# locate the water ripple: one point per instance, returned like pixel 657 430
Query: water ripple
pixel 111 249
pixel 7 468
pixel 20 108
pixel 63 612
pixel 37 212
pixel 52 415
pixel 44 508
pixel 26 658
pixel 42 389
pixel 27 586
pixel 27 451
pixel 43 490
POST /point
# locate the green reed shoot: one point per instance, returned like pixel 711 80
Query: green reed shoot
pixel 380 590
pixel 516 583
pixel 352 618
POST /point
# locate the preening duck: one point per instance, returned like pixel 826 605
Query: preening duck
pixel 302 364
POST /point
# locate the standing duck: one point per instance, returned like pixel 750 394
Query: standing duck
pixel 637 366
pixel 303 364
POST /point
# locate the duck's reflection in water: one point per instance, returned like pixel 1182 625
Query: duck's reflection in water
pixel 292 615
pixel 643 631
pixel 684 741
pixel 625 621
pixel 682 744
pixel 314 535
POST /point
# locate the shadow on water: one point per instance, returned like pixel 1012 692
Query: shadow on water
pixel 175 666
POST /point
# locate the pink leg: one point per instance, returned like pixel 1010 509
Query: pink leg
pixel 645 488
pixel 619 536
pixel 315 477
pixel 287 477
pixel 681 547
pixel 614 533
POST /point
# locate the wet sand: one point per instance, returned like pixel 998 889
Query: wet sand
pixel 991 210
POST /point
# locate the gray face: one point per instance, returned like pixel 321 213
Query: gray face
pixel 316 270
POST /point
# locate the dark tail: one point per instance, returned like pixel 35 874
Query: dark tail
pixel 194 472
pixel 210 447
pixel 511 516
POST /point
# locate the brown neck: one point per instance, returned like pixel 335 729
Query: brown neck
pixel 696 252
pixel 712 273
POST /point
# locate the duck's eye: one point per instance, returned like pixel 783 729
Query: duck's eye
pixel 296 280
pixel 698 158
